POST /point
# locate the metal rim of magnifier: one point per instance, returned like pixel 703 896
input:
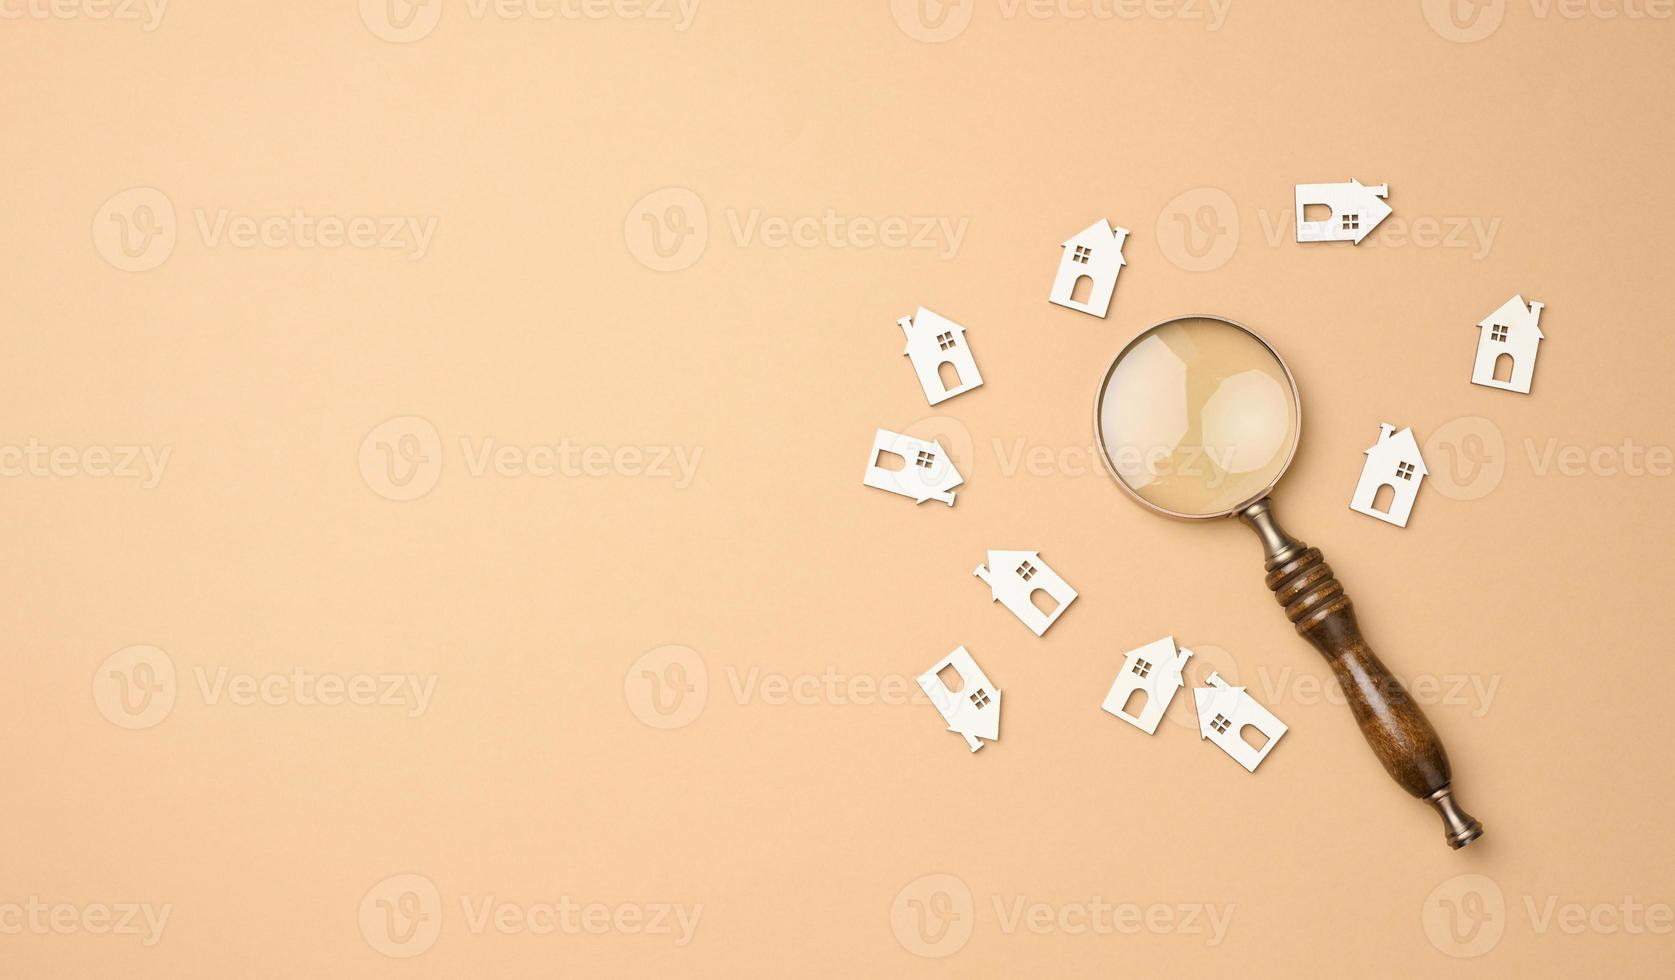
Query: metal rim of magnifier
pixel 1099 431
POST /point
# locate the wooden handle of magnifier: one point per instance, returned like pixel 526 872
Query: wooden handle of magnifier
pixel 1392 722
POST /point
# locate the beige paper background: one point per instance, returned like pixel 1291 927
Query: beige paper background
pixel 537 607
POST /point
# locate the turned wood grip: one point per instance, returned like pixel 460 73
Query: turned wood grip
pixel 1393 724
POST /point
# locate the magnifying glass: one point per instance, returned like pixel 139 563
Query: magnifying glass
pixel 1198 418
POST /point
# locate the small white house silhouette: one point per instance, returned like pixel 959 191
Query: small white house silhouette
pixel 1508 336
pixel 1016 577
pixel 1154 669
pixel 1393 462
pixel 1224 712
pixel 929 474
pixel 933 341
pixel 1356 210
pixel 1094 254
pixel 972 711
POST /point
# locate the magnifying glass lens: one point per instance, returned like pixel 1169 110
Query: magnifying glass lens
pixel 1198 417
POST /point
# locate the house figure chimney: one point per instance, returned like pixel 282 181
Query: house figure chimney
pixel 1385 431
pixel 1381 190
pixel 1535 311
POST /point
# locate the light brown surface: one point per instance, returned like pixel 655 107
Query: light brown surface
pixel 534 607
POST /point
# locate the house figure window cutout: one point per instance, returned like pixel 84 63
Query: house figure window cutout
pixel 1154 671
pixel 1093 256
pixel 975 716
pixel 1224 712
pixel 932 342
pixel 1396 454
pixel 1015 591
pixel 932 476
pixel 1510 334
pixel 1356 209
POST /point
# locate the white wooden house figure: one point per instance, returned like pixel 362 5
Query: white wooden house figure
pixel 1154 670
pixel 1015 576
pixel 933 344
pixel 973 709
pixel 1508 337
pixel 1393 462
pixel 1224 712
pixel 1356 210
pixel 1094 254
pixel 927 473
